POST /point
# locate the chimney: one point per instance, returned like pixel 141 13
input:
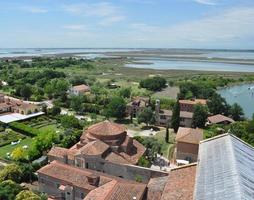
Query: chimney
pixel 93 180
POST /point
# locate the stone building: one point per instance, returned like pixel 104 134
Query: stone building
pixel 219 119
pixel 10 105
pixel 64 182
pixel 163 117
pixel 79 89
pixel 137 105
pixel 187 143
pixel 106 147
pixel 188 105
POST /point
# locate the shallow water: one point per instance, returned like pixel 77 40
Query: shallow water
pixel 241 94
pixel 188 65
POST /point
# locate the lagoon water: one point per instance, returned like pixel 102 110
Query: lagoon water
pixel 241 94
pixel 189 65
pixel 152 62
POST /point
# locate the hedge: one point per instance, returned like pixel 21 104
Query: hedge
pixel 24 129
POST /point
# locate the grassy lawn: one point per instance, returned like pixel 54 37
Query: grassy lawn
pixel 8 136
pixel 9 148
pixel 166 148
pixel 51 128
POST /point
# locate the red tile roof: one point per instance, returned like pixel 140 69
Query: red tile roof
pixel 219 119
pixel 109 187
pixel 136 152
pixel 69 174
pixel 116 158
pixel 105 128
pixel 193 102
pixel 81 88
pixel 189 135
pixel 181 182
pixel 96 147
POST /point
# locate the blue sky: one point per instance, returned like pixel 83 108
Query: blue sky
pixel 127 23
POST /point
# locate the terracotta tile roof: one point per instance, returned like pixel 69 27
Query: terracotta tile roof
pixel 137 151
pixel 105 128
pixel 96 147
pixel 156 187
pixel 127 191
pixel 193 102
pixel 189 135
pixel 58 152
pixel 69 174
pixel 181 182
pixel 102 192
pixel 115 158
pixel 116 190
pixel 109 187
pixel 4 105
pixel 219 119
pixel 81 88
pixel 61 152
pixel 185 114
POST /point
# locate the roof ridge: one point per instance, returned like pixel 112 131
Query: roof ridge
pixel 214 138
pixel 185 166
pixel 234 165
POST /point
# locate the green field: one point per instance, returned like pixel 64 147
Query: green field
pixel 9 148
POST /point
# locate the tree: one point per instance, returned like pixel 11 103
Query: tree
pixel 218 105
pixel 18 154
pixel 146 116
pixel 56 110
pixel 175 121
pixel 9 189
pixel 153 84
pixel 200 115
pixel 27 195
pixel 69 121
pixel 11 172
pixel 116 108
pixel 76 102
pixel 143 162
pixel 125 92
pixel 24 91
pixel 236 112
pixel 167 134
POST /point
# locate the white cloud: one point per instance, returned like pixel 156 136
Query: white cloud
pixel 231 27
pixel 206 2
pixel 77 27
pixel 106 12
pixel 34 9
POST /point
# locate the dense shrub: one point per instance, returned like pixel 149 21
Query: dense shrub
pixel 154 84
pixel 24 129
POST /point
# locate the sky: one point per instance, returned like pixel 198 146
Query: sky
pixel 226 24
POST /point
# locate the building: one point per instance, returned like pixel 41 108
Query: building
pixel 64 182
pixel 219 119
pixel 188 105
pixel 79 90
pixel 181 183
pixel 106 147
pixel 137 105
pixel 187 143
pixel 11 105
pixel 225 169
pixel 163 117
pixel 186 119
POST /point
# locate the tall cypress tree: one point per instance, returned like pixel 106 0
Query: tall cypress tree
pixel 175 122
